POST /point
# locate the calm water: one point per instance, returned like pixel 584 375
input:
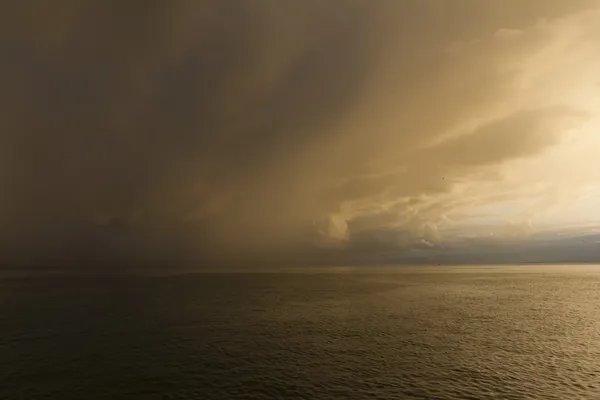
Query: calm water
pixel 430 333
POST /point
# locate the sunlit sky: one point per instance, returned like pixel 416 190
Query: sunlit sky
pixel 337 131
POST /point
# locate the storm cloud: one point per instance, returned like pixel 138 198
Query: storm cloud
pixel 184 130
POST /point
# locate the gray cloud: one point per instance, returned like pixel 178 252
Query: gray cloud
pixel 184 129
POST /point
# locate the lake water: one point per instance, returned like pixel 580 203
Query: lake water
pixel 332 333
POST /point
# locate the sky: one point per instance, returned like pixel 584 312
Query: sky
pixel 313 131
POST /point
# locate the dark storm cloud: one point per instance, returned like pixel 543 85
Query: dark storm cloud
pixel 182 127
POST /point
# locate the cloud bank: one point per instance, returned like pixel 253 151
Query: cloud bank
pixel 269 130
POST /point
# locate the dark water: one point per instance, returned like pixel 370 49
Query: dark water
pixel 434 333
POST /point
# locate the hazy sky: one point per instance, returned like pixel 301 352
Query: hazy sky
pixel 314 130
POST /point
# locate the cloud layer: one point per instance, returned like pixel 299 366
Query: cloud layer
pixel 187 129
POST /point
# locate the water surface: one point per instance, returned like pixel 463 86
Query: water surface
pixel 332 333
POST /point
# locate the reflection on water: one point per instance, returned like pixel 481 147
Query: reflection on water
pixel 404 333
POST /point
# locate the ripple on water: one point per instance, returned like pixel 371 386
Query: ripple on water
pixel 428 334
